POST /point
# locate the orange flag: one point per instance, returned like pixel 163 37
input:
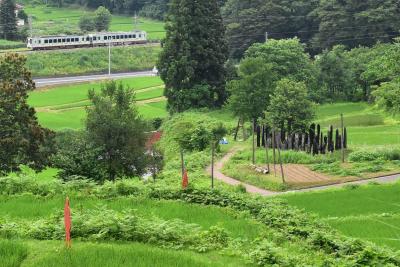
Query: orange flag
pixel 185 180
pixel 67 223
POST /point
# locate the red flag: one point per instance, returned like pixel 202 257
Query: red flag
pixel 185 180
pixel 67 223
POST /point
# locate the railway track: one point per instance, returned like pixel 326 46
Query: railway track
pixel 150 44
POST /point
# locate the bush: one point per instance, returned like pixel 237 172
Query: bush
pixel 383 153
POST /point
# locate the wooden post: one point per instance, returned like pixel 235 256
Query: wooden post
pixel 253 158
pixel 212 163
pixel 280 163
pixel 266 147
pixel 342 137
pixel 273 149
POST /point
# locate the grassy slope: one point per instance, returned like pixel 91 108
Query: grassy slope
pixel 64 107
pixel 52 20
pixel 91 60
pixel 368 212
pixel 53 253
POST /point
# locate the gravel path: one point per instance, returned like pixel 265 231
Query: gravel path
pixel 256 190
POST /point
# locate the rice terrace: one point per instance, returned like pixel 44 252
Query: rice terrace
pixel 162 133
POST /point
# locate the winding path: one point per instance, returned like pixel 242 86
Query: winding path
pixel 256 190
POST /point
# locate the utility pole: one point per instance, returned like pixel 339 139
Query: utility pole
pixel 109 55
pixel 135 22
pixel 212 163
pixel 266 37
pixel 30 25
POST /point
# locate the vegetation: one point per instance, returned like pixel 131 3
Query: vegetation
pixel 367 212
pixel 319 24
pixel 91 60
pixel 192 64
pixel 22 139
pixel 8 20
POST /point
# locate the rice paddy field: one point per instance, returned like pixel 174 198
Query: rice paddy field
pixel 63 107
pixel 368 212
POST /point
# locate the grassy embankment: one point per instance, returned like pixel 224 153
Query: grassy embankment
pixel 64 107
pixel 369 130
pixel 53 21
pixel 92 60
pixel 369 212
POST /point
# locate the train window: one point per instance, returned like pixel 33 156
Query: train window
pixel 59 40
pixel 83 39
pixel 50 41
pixel 76 39
pixel 126 36
pixel 46 41
pixel 94 38
pixel 87 39
pixel 134 36
pixel 40 42
pixel 117 36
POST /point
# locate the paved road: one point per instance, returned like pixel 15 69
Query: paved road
pixel 43 82
pixel 267 193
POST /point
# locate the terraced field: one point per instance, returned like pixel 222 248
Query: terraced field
pixel 368 212
pixel 64 107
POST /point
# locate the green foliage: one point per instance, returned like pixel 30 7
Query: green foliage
pixel 102 19
pixel 58 63
pixel 76 155
pixel 191 132
pixel 382 153
pixel 388 96
pixel 12 253
pixel 8 20
pixel 192 64
pixel 22 139
pixel 289 108
pixel 337 76
pixel 86 23
pixel 117 130
pixel 250 93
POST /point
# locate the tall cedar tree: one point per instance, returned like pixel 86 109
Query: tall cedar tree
pixel 22 139
pixel 194 54
pixel 115 126
pixel 8 20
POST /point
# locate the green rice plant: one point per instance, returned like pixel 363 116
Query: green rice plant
pixel 12 253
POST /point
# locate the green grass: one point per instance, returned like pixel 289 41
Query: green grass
pixel 6 44
pixel 92 60
pixel 31 207
pixel 368 212
pixel 53 253
pixel 53 20
pixel 12 253
pixel 63 107
pixel 79 92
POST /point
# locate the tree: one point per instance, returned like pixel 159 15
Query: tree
pixel 248 21
pixel 289 107
pixel 353 23
pixel 86 23
pixel 250 93
pixel 195 51
pixel 114 125
pixel 388 96
pixel 22 139
pixel 337 76
pixel 8 20
pixel 102 19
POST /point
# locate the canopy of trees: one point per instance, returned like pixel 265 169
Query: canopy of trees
pixel 192 63
pixel 8 20
pixel 22 139
pixel 319 24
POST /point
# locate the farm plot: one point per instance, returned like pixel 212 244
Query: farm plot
pixel 64 107
pixel 370 132
pixel 368 212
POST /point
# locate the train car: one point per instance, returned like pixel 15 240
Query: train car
pixel 88 40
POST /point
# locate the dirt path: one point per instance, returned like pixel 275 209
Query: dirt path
pixel 256 190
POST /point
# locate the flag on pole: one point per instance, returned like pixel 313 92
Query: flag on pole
pixel 67 223
pixel 185 180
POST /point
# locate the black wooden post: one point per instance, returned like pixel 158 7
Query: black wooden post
pixel 342 137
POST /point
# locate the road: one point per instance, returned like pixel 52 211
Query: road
pixel 44 82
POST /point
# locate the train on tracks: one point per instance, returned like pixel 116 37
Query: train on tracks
pixel 87 40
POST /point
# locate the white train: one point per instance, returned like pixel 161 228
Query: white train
pixel 88 40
